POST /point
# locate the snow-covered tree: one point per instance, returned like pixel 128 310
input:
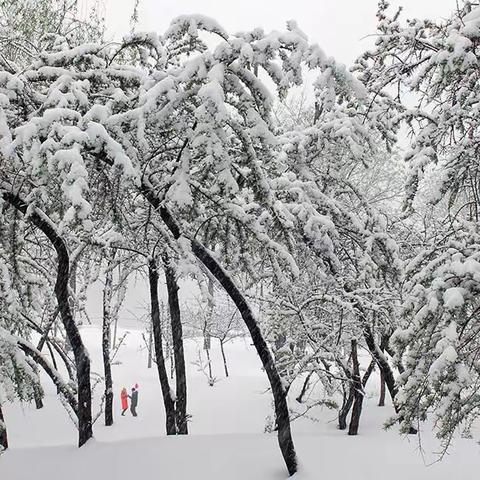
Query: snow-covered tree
pixel 426 72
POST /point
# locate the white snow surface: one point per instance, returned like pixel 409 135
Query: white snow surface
pixel 226 441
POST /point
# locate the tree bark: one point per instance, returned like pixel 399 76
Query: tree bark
pixel 168 401
pixel 3 431
pixel 381 400
pixel 222 349
pixel 279 395
pixel 346 406
pixel 46 330
pixel 382 363
pixel 358 392
pixel 82 360
pixel 299 399
pixel 385 369
pixel 150 346
pixel 38 394
pixel 106 339
pixel 178 351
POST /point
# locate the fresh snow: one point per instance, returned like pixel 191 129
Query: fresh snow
pixel 226 438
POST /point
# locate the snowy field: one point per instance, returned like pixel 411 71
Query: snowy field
pixel 227 440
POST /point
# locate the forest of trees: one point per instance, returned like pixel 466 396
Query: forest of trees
pixel 320 210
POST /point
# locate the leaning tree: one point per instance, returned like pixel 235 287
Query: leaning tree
pixel 188 130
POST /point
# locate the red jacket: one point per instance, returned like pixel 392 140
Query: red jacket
pixel 124 397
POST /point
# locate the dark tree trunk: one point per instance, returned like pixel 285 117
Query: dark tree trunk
pixel 304 388
pixel 381 400
pixel 382 363
pixel 46 330
pixel 178 352
pixel 222 349
pixel 82 360
pixel 150 346
pixel 346 406
pixel 385 368
pixel 279 395
pixel 106 339
pixel 157 341
pixel 52 356
pixel 368 372
pixel 358 392
pixel 211 380
pixel 38 395
pixel 3 431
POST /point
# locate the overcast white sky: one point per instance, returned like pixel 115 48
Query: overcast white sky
pixel 338 26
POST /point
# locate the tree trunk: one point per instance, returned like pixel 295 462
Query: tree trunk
pixel 346 406
pixel 211 380
pixel 178 352
pixel 3 431
pixel 358 392
pixel 52 356
pixel 115 326
pixel 222 349
pixel 299 399
pixel 150 346
pixel 82 360
pixel 38 394
pixel 279 395
pixel 37 390
pixel 157 341
pixel 385 369
pixel 381 400
pixel 285 440
pixel 106 339
pixel 46 330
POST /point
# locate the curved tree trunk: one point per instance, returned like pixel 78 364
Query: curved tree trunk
pixel 382 363
pixel 157 341
pixel 279 395
pixel 304 389
pixel 385 369
pixel 281 408
pixel 3 431
pixel 82 360
pixel 38 358
pixel 50 342
pixel 178 352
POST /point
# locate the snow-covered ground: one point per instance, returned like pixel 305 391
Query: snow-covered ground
pixel 227 440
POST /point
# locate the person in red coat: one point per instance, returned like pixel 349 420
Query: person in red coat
pixel 124 398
